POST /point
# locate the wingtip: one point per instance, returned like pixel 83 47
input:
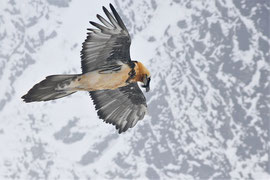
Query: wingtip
pixel 90 29
pixel 25 99
pixel 120 131
pixel 104 8
pixel 93 23
pixel 98 16
pixel 111 6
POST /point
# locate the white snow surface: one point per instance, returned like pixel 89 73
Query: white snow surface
pixel 208 108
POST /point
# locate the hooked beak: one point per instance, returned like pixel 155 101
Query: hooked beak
pixel 146 83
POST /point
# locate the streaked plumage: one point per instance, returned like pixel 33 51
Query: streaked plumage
pixel 107 73
pixel 122 107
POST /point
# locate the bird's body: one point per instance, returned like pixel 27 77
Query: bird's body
pixel 104 79
pixel 98 80
pixel 108 74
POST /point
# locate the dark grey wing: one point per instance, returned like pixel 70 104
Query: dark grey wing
pixel 122 107
pixel 106 45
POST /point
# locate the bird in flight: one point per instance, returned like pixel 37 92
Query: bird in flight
pixel 108 74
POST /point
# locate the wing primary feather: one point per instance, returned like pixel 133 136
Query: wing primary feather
pixel 116 107
pixel 113 41
pixel 109 116
pixel 95 31
pixel 130 120
pixel 118 18
pixel 110 17
pixel 104 21
pixel 102 28
pixel 124 119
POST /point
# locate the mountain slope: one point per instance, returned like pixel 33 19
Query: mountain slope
pixel 208 105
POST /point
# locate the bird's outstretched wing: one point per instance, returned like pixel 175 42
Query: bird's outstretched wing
pixel 122 107
pixel 107 44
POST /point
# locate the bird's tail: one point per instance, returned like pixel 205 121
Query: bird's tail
pixel 53 87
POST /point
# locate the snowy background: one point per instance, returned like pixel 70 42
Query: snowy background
pixel 208 105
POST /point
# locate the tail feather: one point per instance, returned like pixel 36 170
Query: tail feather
pixel 48 89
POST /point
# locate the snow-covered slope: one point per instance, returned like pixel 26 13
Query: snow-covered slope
pixel 208 106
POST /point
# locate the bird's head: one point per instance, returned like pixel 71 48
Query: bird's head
pixel 143 75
